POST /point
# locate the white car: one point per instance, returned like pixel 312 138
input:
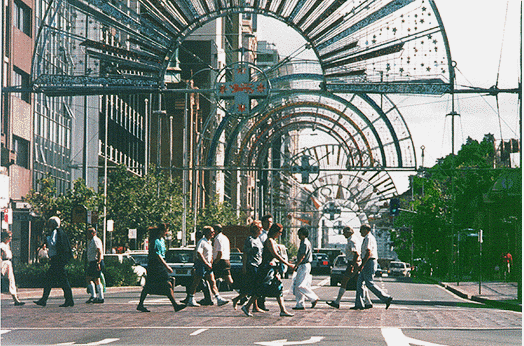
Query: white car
pixel 399 269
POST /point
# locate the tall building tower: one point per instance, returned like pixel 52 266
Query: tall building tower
pixel 18 32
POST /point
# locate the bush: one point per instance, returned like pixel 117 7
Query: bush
pixel 121 274
pixel 33 275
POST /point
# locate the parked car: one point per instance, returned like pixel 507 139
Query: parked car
pixel 379 272
pixel 140 257
pixel 236 268
pixel 399 269
pixel 181 260
pixel 320 264
pixel 140 271
pixel 339 267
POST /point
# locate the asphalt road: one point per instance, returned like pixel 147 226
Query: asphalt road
pixel 421 314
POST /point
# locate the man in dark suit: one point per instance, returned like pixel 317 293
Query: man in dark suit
pixel 60 254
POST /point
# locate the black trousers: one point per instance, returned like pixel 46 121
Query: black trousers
pixel 57 276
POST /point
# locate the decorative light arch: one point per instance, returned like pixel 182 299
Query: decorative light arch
pixel 373 46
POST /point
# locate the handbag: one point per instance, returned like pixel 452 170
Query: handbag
pixel 271 285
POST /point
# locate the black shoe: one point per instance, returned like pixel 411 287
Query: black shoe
pixel 298 308
pixel 40 302
pixel 90 300
pixel 142 308
pixel 179 307
pixel 388 302
pixel 205 302
pixel 333 304
pixel 356 308
pixel 314 303
pixel 67 304
pixel 368 307
pixel 98 301
pixel 19 303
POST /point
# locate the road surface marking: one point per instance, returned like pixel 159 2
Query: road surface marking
pixel 3 331
pixel 196 332
pixel 322 283
pixel 284 342
pixel 102 342
pixel 395 337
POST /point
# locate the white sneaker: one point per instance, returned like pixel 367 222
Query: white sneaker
pixel 192 302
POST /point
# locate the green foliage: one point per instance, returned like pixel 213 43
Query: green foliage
pixel 120 275
pixel 449 198
pixel 216 212
pixel 33 275
pixel 46 203
pixel 140 202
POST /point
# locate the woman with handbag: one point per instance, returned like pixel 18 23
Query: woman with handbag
pixel 157 280
pixel 269 281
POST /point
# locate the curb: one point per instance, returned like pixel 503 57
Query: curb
pixel 494 303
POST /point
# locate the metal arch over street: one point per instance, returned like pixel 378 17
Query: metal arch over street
pixel 381 139
pixel 372 46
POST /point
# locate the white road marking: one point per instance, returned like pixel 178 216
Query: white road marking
pixel 3 331
pixel 196 332
pixel 103 342
pixel 284 342
pixel 395 337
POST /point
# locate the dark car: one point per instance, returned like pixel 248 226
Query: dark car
pixel 320 264
pixel 339 267
pixel 181 260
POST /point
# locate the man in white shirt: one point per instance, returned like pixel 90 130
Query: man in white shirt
pixel 221 256
pixel 353 261
pixel 204 268
pixel 367 270
pixel 95 266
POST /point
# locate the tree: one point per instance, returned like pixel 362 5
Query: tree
pixel 136 202
pixel 46 203
pixel 450 198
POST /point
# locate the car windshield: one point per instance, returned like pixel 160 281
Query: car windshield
pixel 235 257
pixel 397 265
pixel 341 261
pixel 179 256
pixel 140 259
pixel 320 256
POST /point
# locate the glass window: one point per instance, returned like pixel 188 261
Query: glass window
pixel 21 148
pixel 21 79
pixel 22 17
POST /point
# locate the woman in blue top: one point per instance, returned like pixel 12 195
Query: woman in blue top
pixel 157 280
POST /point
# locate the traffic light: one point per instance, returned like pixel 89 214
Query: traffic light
pixel 394 207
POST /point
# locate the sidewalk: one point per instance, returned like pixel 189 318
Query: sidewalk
pixel 498 294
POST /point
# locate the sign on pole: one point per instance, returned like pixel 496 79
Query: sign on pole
pixel 132 233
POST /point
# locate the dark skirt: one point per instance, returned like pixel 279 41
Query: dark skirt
pixel 158 281
pixel 249 281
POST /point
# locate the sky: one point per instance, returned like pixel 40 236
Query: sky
pixel 483 35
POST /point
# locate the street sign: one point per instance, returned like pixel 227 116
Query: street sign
pixel 79 214
pixel 132 233
pixel 110 225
